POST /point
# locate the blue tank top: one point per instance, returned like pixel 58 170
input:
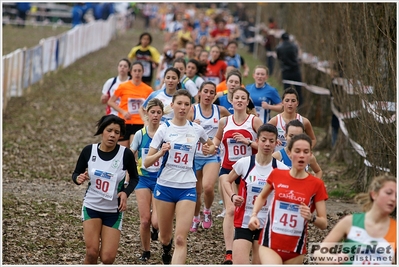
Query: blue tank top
pixel 285 159
pixel 234 61
pixel 223 101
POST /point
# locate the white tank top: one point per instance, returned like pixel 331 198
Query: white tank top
pixel 233 150
pixel 177 164
pixel 281 130
pixel 105 179
pixel 209 124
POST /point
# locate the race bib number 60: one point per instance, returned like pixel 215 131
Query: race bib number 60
pixel 237 150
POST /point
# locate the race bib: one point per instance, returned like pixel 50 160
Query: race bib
pixel 215 80
pixel 237 150
pixel 181 157
pixel 287 219
pixel 153 168
pixel 260 112
pixel 104 184
pixel 147 68
pixel 134 105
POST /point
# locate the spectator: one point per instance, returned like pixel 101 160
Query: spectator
pixel 221 34
pixel 264 96
pixel 174 26
pixel 77 14
pixel 97 11
pixel 232 58
pixel 108 9
pixel 202 30
pixel 233 27
pixel 185 34
pixel 287 54
pixel 22 9
pixel 270 45
pixel 249 32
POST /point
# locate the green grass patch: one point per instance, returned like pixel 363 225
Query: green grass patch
pixel 15 37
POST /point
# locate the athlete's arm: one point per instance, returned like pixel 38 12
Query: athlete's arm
pixel 143 114
pixel 273 121
pixel 321 218
pixel 276 107
pixel 129 163
pixel 190 115
pixel 309 131
pixel 81 164
pixel 259 202
pixel 256 124
pixel 216 97
pixel 315 167
pixel 226 183
pixel 112 103
pixel 223 111
pixel 340 231
pixel 277 155
pixel 154 154
pixel 209 147
pixel 219 134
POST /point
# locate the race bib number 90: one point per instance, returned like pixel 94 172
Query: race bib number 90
pixel 104 184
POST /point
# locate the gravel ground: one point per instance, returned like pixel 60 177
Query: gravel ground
pixel 43 134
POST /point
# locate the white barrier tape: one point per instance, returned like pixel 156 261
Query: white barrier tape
pixel 371 109
pixel 317 90
pixel 359 149
pixel 368 164
pixel 294 82
pixel 271 54
pixel 348 86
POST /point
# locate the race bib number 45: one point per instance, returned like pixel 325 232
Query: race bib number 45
pixel 287 219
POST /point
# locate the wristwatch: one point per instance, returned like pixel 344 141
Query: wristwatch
pixel 250 142
pixel 314 217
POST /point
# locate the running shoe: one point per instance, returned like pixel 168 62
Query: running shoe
pixel 145 256
pixel 166 258
pixel 221 215
pixel 228 259
pixel 194 226
pixel 154 234
pixel 207 223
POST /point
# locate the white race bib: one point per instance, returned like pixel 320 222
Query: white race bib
pixel 153 168
pixel 104 184
pixel 134 104
pixel 261 112
pixel 147 68
pixel 237 150
pixel 287 219
pixel 181 156
pixel 215 80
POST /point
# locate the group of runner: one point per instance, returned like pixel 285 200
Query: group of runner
pixel 184 136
